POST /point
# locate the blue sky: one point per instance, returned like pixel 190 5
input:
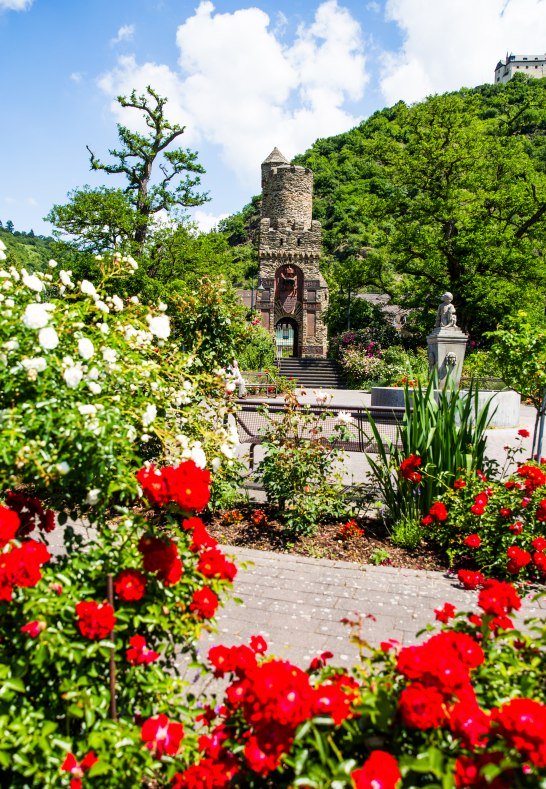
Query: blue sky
pixel 241 76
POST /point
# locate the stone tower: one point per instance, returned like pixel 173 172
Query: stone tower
pixel 294 293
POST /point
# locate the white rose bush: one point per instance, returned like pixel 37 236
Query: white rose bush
pixel 104 423
pixel 97 374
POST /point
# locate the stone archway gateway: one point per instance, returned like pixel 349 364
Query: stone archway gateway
pixel 294 291
pixel 286 338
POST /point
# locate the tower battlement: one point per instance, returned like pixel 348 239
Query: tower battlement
pixel 294 293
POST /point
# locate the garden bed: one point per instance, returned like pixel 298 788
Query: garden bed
pixel 371 547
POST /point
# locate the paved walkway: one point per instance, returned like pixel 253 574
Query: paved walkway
pixel 297 603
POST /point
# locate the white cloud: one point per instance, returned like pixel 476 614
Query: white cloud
pixel 76 77
pixel 205 220
pixel 125 33
pixel 242 89
pixel 15 5
pixel 456 43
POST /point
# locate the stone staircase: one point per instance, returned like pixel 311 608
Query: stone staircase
pixel 313 373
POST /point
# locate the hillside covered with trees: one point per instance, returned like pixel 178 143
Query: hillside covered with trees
pixel 446 194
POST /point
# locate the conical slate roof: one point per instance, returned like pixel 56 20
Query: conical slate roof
pixel 275 157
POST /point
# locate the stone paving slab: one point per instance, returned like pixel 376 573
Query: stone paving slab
pixel 297 603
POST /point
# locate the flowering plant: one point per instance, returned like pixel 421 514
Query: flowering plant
pixel 496 527
pixel 455 710
pixel 93 385
pixel 93 628
pixel 299 468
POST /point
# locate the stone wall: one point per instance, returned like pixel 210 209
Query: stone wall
pixel 288 235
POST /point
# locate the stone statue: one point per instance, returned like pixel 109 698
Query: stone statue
pixel 446 317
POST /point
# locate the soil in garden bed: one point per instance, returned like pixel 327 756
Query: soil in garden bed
pixel 330 541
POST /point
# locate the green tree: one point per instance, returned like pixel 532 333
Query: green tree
pixel 129 213
pixel 446 194
pixel 95 219
pixel 9 226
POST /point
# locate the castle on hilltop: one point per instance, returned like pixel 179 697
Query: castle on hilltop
pixel 293 294
pixel 531 65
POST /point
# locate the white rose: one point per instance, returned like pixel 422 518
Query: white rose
pixel 72 376
pixel 93 374
pixel 88 288
pixel 118 303
pixel 216 463
pixel 198 456
pixel 52 263
pixel 11 345
pixel 132 262
pixel 3 255
pixel 109 355
pixel 33 282
pixel 149 415
pixel 94 388
pixel 9 303
pixel 85 348
pixel 35 316
pixel 134 300
pixel 63 467
pixel 102 306
pixel 159 326
pixel 64 276
pixel 48 338
pixel 39 364
pixel 2 245
pixel 87 410
pixel 92 496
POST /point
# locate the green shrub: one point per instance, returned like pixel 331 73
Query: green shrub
pixel 298 470
pixel 258 352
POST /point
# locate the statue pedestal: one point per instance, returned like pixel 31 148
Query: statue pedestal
pixel 446 350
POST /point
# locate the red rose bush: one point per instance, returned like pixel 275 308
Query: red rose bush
pixel 494 526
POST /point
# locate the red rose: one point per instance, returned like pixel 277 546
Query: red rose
pixel 161 557
pixel 95 620
pixel 26 561
pixel 477 509
pixel 505 512
pixel 539 543
pixel 138 654
pixel 422 707
pixel 162 736
pixel 459 484
pixel 427 520
pixel 518 559
pixel 31 513
pixel 523 433
pixel 204 602
pixel 473 541
pixel 213 564
pixel 468 772
pixel 408 469
pixel 34 628
pixel 438 511
pixel 522 723
pixel 446 613
pixel 258 644
pixel 130 585
pixel 379 771
pixel 186 485
pixel 498 598
pixel 78 769
pixel 539 560
pixel 516 527
pixel 9 524
pixel 470 579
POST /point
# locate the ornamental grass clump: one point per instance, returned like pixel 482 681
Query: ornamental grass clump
pixel 442 433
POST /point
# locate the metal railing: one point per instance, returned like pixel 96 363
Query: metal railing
pixel 252 422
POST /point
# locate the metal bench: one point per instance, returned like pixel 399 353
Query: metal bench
pixel 252 423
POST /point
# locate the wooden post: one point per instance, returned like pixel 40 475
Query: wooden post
pixel 112 660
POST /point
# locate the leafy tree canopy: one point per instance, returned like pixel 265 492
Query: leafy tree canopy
pixel 446 194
